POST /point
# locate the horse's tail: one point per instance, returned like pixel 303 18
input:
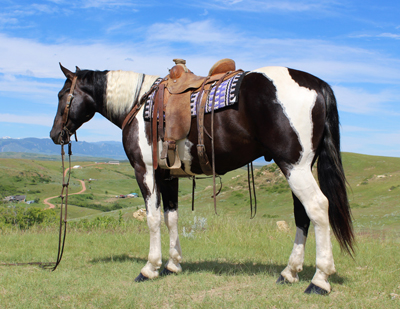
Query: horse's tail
pixel 331 175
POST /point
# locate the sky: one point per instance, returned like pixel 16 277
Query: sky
pixel 354 45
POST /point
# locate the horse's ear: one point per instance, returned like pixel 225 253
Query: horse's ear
pixel 77 69
pixel 67 73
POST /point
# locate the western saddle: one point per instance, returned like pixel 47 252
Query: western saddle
pixel 171 115
pixel 172 99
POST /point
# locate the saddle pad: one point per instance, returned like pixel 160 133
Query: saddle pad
pixel 226 95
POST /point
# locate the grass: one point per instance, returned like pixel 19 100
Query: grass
pixel 232 262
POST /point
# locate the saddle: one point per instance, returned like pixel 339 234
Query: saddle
pixel 172 98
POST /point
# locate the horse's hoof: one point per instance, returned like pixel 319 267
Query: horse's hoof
pixel 281 280
pixel 166 272
pixel 313 289
pixel 141 278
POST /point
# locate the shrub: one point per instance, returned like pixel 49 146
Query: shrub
pixel 25 217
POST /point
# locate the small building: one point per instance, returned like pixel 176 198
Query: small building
pixel 77 166
pixel 15 198
pixel 113 162
pixel 20 198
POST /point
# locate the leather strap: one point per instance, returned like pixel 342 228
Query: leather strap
pixel 206 167
pixel 160 97
pixel 201 150
pixel 69 101
pixel 136 108
pixel 157 110
pixel 132 114
pixel 212 139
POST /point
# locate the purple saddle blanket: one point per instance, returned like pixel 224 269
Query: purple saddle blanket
pixel 227 94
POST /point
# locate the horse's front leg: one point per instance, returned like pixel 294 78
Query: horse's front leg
pixel 151 193
pixel 169 191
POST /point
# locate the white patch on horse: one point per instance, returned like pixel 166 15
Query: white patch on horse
pixel 297 103
pixel 123 90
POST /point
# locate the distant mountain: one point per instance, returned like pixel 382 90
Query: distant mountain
pixel 111 149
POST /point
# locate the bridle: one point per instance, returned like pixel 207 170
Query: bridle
pixel 64 130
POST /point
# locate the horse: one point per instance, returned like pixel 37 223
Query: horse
pixel 282 114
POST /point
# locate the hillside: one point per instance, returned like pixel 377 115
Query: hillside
pixel 46 146
pixel 374 189
pixel 225 261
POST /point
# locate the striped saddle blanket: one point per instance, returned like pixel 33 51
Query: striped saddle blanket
pixel 227 94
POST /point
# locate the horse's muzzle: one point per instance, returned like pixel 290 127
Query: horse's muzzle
pixel 59 137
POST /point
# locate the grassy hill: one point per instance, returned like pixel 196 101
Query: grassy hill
pixel 374 190
pixel 231 262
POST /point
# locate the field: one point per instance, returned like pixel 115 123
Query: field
pixel 230 261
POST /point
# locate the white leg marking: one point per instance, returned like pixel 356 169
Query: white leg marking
pixel 175 252
pixel 154 223
pixel 296 258
pixel 153 210
pixel 316 205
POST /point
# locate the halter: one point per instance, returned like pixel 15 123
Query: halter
pixel 65 117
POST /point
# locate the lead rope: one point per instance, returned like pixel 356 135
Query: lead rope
pixel 250 171
pixel 63 219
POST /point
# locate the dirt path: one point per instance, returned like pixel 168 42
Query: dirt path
pixel 46 201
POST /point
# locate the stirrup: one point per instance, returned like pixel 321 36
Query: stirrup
pixel 170 154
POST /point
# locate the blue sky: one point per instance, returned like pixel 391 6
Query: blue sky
pixel 352 45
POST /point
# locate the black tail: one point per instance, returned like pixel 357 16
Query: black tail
pixel 331 175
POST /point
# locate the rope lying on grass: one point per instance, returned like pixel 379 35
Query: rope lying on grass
pixel 63 218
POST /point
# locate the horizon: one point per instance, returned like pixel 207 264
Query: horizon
pixel 258 160
pixel 352 45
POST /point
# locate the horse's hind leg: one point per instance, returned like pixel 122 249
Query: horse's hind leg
pixel 306 189
pixel 295 265
pixel 169 191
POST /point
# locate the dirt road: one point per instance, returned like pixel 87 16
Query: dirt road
pixel 46 201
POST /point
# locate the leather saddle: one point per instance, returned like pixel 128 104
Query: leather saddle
pixel 172 98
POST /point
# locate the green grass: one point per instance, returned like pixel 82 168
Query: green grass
pixel 232 263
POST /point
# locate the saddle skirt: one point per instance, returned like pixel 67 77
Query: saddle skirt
pixel 226 95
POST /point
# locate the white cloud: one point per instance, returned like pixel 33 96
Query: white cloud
pixel 381 144
pixel 351 129
pixel 87 4
pixel 192 40
pixel 41 120
pixel 387 35
pixel 272 5
pixel 360 101
pixel 202 32
pixel 97 129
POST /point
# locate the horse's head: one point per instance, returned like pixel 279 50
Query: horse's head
pixel 75 106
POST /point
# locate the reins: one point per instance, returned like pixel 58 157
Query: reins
pixel 63 219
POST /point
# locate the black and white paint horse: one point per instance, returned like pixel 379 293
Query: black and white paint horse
pixel 282 114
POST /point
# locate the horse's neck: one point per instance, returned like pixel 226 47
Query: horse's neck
pixel 123 90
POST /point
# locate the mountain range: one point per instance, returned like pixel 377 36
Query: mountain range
pixel 109 149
